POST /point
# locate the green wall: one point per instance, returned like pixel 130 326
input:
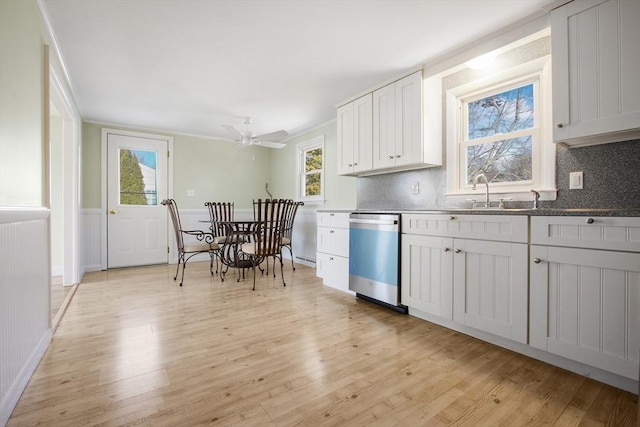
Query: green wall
pixel 339 192
pixel 222 171
pixel 22 100
pixel 216 170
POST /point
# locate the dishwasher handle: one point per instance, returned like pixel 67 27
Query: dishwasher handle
pixel 373 221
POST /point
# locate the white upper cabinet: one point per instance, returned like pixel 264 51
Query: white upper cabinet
pixel 354 136
pixel 596 71
pixel 383 131
pixel 397 123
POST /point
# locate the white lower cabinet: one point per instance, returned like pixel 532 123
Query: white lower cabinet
pixel 585 302
pixel 332 256
pixel 427 274
pixel 482 284
pixel 490 287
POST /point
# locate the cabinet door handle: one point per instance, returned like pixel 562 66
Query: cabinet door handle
pixel 331 214
pixel 590 221
pixel 330 258
pixel 330 231
pixel 458 251
pixel 559 125
pixel 355 164
pixel 537 260
pixel 350 165
pixel 397 156
pixel 446 249
pixel 452 218
pixel 390 157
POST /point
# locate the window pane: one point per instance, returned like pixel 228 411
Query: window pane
pixel 313 160
pixel 508 160
pixel 501 113
pixel 138 177
pixel 312 184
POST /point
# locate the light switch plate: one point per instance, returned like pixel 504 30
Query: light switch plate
pixel 415 187
pixel 575 180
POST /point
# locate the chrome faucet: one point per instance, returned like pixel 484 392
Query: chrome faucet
pixel 536 197
pixel 486 181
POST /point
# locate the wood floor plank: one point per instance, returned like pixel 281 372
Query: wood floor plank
pixel 134 348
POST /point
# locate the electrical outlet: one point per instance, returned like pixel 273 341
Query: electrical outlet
pixel 415 187
pixel 191 193
pixel 575 181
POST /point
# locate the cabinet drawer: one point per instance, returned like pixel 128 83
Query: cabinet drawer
pixel 502 228
pixel 333 241
pixel 334 270
pixel 612 233
pixel 333 219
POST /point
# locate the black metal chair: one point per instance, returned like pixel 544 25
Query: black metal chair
pixel 205 242
pixel 287 233
pixel 266 240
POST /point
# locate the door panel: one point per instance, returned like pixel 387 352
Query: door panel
pixel 136 184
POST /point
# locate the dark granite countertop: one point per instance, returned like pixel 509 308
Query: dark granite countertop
pixel 495 211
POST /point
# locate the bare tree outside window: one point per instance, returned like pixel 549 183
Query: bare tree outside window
pixel 499 134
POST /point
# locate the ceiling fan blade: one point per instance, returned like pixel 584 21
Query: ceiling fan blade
pixel 273 136
pixel 233 131
pixel 269 144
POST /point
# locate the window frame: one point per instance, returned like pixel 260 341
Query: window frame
pixel 537 71
pixel 301 150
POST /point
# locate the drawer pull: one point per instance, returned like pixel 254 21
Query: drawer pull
pixel 590 221
pixel 330 231
pixel 537 260
pixel 446 249
pixel 452 218
pixel 458 251
pixel 331 214
pixel 330 258
pixel 559 125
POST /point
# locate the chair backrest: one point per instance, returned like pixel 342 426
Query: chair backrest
pixel 270 218
pixel 219 212
pixel 175 219
pixel 290 218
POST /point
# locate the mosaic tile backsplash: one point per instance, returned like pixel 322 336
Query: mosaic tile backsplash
pixel 611 181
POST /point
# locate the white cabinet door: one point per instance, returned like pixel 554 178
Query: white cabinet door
pixel 490 286
pixel 355 149
pixel 585 306
pixel 427 274
pixel 596 71
pixel 384 127
pixel 408 147
pixel 362 136
pixel 345 141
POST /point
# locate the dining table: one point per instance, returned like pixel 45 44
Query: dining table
pixel 230 253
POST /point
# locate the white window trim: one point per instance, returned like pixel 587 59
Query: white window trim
pixel 301 148
pixel 544 180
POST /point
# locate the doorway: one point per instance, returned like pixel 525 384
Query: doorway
pixel 137 180
pixel 63 199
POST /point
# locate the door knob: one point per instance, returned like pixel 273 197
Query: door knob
pixel 112 212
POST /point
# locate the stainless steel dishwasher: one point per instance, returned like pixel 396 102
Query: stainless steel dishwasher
pixel 374 258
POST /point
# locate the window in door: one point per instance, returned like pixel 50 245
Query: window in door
pixel 138 178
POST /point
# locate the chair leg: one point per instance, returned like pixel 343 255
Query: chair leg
pixel 253 267
pixel 184 265
pixel 175 277
pixel 291 253
pixel 281 269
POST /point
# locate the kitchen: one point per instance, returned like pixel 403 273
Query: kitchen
pixel 394 191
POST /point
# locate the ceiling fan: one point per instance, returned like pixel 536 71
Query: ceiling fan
pixel 248 138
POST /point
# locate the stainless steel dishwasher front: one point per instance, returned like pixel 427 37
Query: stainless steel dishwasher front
pixel 374 258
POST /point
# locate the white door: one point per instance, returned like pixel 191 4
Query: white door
pixel 136 184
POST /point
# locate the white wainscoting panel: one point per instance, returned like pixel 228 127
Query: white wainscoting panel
pixel 25 316
pixel 91 251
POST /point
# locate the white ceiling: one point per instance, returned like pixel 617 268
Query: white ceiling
pixel 189 66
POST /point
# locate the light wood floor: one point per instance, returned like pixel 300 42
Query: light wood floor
pixel 136 349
